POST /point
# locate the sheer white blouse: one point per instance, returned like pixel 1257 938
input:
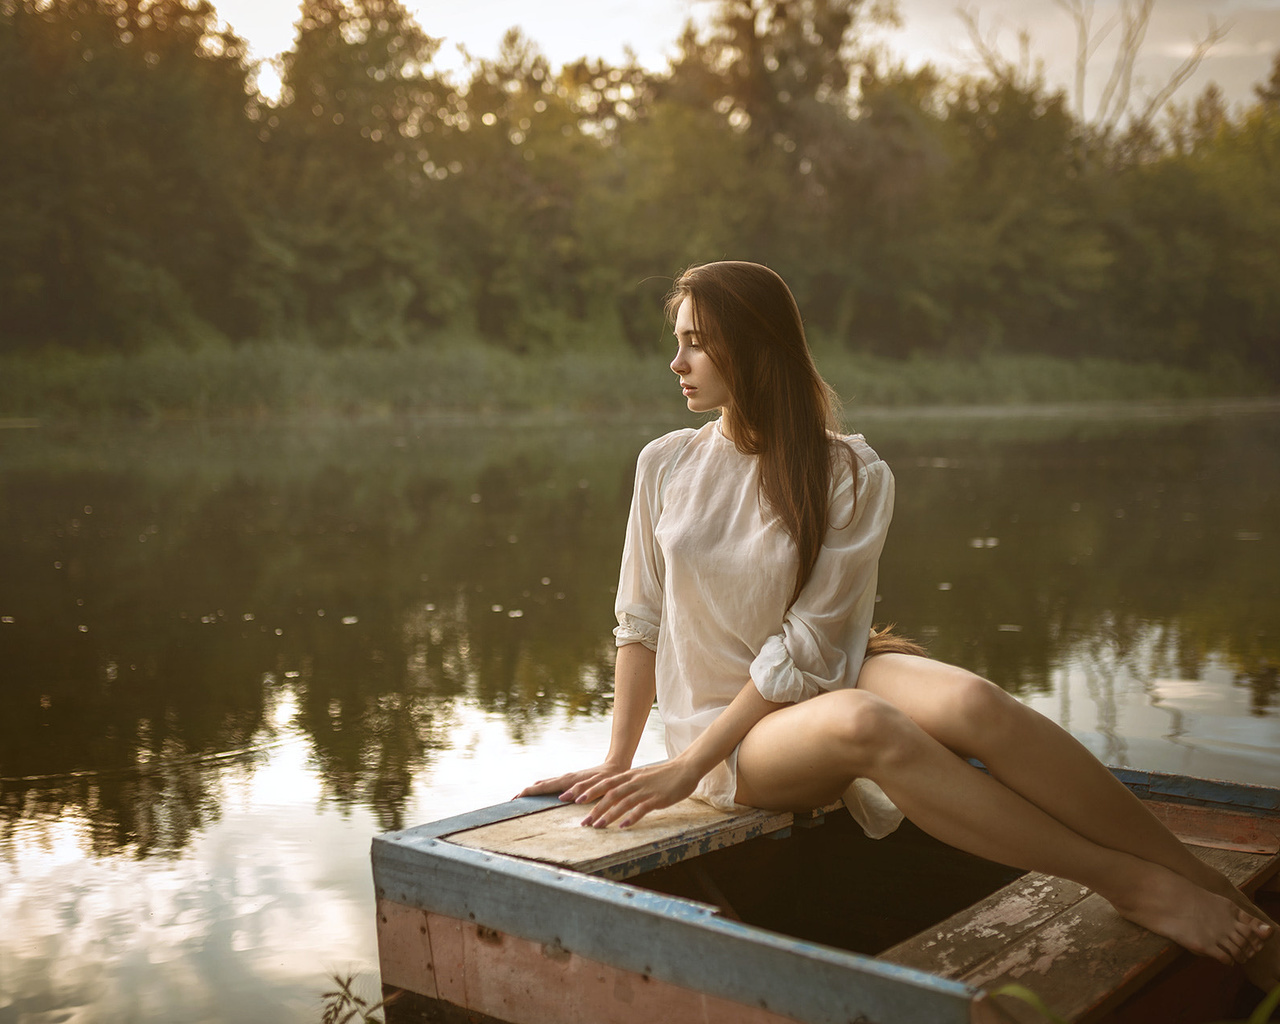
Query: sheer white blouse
pixel 706 576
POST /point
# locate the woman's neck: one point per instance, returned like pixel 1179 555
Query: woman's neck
pixel 726 424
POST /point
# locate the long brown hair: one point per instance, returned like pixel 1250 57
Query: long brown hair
pixel 781 411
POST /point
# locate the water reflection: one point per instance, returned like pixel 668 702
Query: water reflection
pixel 229 655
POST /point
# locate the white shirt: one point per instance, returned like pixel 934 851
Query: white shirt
pixel 706 576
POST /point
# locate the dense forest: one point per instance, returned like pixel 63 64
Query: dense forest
pixel 153 196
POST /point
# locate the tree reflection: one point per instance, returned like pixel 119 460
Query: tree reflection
pixel 181 603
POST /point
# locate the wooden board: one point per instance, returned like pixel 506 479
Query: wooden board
pixel 664 837
pixel 1062 941
pixel 1223 828
pixel 517 980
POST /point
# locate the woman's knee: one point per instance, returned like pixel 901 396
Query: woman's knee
pixel 975 710
pixel 865 730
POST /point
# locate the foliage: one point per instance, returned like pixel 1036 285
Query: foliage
pixel 343 1005
pixel 154 197
pixel 124 129
pixel 1029 997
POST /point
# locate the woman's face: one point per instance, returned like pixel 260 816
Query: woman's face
pixel 703 387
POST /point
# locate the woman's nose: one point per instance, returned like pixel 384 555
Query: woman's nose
pixel 678 364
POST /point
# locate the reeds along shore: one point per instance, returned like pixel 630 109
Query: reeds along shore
pixel 286 379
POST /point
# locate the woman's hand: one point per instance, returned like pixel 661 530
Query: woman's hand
pixel 628 796
pixel 571 784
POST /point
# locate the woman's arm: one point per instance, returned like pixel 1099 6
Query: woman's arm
pixel 628 796
pixel 634 687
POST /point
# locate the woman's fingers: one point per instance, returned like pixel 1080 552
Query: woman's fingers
pixel 627 796
pixel 570 785
pixel 537 788
pixel 611 807
pixel 605 794
pixel 585 789
pixel 542 786
pixel 638 811
pixel 626 801
pixel 599 786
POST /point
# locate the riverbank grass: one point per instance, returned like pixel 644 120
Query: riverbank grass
pixel 290 379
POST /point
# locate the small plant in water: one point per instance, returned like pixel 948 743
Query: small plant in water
pixel 1031 999
pixel 342 1005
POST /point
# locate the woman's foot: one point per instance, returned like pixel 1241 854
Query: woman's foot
pixel 1203 922
pixel 1263 968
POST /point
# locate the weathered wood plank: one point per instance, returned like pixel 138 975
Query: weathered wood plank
pixel 1069 945
pixel 525 982
pixel 974 934
pixel 1192 990
pixel 1086 958
pixel 663 837
pixel 977 933
pixel 1224 828
pixel 448 968
pixel 404 948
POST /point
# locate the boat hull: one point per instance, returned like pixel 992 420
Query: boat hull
pixel 465 927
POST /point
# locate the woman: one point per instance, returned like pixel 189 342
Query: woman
pixel 750 558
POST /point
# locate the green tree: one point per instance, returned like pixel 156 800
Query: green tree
pixel 522 152
pixel 351 249
pixel 1199 264
pixel 1025 252
pixel 122 218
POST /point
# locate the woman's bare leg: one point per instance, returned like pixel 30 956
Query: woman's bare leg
pixel 805 755
pixel 1047 766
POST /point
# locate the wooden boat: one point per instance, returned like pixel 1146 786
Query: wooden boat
pixel 516 914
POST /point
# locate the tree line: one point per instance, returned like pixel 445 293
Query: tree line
pixel 153 196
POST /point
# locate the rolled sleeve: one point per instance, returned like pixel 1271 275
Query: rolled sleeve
pixel 825 631
pixel 775 674
pixel 633 630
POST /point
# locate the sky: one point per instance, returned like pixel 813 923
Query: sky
pixel 931 30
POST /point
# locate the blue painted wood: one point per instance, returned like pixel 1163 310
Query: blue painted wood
pixel 1185 789
pixel 676 940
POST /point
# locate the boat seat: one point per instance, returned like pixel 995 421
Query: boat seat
pixel 662 838
pixel 1067 944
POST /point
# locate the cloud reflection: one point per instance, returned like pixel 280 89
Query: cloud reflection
pixel 262 904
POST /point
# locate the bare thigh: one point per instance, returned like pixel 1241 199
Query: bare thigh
pixel 794 759
pixel 959 709
pixel 799 757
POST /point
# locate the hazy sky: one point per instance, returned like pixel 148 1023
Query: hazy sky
pixel 931 30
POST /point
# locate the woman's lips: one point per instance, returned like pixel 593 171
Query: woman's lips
pixel 688 389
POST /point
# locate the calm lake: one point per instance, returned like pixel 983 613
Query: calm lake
pixel 231 654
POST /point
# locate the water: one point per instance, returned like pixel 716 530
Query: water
pixel 229 655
